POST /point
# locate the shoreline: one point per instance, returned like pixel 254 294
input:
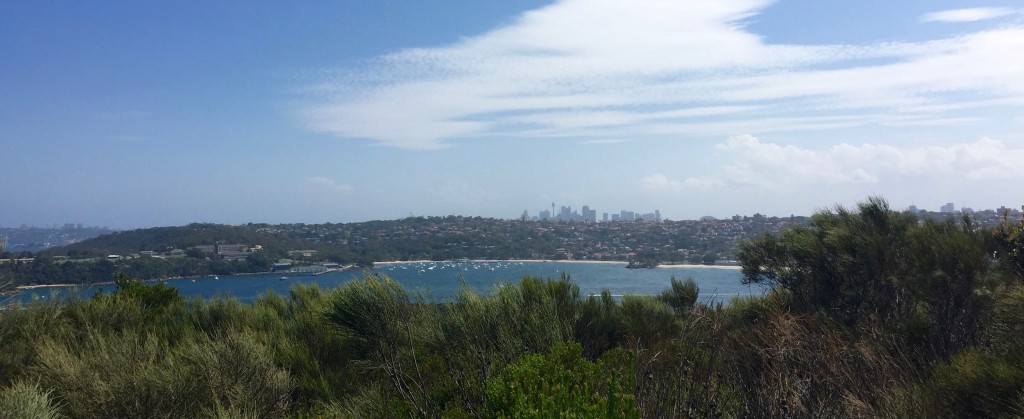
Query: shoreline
pixel 33 287
pixel 610 262
pixel 398 262
pixel 733 267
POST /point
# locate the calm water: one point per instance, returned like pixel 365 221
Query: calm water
pixel 442 280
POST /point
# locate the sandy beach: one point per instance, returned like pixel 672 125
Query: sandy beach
pixel 32 287
pixel 733 267
pixel 499 261
pixel 611 262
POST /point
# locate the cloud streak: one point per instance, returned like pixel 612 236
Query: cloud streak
pixel 967 15
pixel 773 166
pixel 658 69
pixel 329 185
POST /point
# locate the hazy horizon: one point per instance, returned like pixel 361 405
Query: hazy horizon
pixel 131 115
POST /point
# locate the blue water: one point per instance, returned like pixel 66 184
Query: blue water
pixel 441 280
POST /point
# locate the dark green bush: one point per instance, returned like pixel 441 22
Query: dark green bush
pixel 681 296
pixel 156 297
pixel 564 384
pixel 976 384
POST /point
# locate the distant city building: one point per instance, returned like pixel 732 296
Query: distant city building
pixel 565 214
pixel 308 253
pixel 589 215
pixel 913 209
pixel 228 251
pixel 947 208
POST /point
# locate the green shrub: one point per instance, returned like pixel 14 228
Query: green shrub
pixel 878 270
pixel 1006 328
pixel 156 297
pixel 647 320
pixel 22 328
pixel 117 375
pixel 978 385
pixel 563 384
pixel 681 296
pixel 600 325
pixel 239 377
pixel 384 326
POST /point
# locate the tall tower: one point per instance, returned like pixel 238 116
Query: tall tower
pixel 553 208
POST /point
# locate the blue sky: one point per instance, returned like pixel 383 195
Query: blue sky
pixel 135 114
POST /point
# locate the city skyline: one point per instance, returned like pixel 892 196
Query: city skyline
pixel 137 114
pixel 566 213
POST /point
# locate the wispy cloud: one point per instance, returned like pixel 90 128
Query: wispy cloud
pixel 658 182
pixel 330 185
pixel 605 141
pixel 656 69
pixel 775 166
pixel 967 15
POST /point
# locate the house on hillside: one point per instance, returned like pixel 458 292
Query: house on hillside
pixel 228 251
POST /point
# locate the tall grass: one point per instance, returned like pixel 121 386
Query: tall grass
pixel 27 401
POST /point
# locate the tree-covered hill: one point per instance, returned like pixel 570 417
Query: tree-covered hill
pixel 414 238
pixel 454 237
pixel 163 239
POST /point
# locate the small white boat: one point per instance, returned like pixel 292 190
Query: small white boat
pixel 284 278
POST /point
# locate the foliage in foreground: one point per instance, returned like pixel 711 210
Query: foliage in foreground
pixel 873 315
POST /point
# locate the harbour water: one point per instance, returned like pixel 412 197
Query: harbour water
pixel 442 280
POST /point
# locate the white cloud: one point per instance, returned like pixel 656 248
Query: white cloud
pixel 605 141
pixel 457 191
pixel 663 69
pixel 326 184
pixel 776 166
pixel 659 182
pixel 967 15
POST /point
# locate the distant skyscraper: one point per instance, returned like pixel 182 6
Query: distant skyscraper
pixel 565 214
pixel 913 209
pixel 605 217
pixel 589 215
pixel 947 208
